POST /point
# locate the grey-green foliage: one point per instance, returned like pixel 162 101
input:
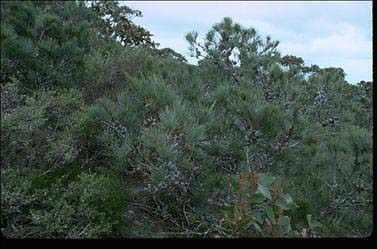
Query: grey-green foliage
pixel 40 130
pixel 73 205
pixel 234 50
pixel 44 43
pixel 90 207
pixel 143 144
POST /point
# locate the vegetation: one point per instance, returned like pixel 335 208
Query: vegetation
pixel 105 135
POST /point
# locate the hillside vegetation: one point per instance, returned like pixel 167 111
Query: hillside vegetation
pixel 105 135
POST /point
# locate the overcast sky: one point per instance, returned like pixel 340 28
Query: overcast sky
pixel 325 33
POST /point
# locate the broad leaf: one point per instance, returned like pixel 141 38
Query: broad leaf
pixel 283 221
pixel 258 228
pixel 257 198
pixel 265 180
pixel 264 191
pixel 256 215
pixel 270 213
pixel 285 202
pixel 309 219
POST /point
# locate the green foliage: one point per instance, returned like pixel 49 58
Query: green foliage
pixel 91 207
pixel 115 21
pixel 40 131
pixel 88 206
pixel 44 44
pixel 104 135
pixel 259 208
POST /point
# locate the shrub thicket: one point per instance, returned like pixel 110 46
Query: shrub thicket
pixel 105 135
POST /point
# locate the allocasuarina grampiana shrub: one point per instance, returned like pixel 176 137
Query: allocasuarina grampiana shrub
pixel 105 135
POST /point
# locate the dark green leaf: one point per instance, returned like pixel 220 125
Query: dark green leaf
pixel 270 213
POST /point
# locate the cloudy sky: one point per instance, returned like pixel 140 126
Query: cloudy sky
pixel 325 33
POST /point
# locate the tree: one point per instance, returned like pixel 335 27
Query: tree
pixel 228 45
pixel 44 43
pixel 115 21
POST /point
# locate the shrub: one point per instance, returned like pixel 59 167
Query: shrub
pixel 83 205
pixel 41 131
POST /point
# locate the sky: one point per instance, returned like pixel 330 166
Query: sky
pixel 326 33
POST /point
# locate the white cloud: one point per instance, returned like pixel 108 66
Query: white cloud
pixel 346 42
pixel 355 69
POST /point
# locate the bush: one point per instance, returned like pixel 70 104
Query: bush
pixel 40 131
pixel 112 138
pixel 87 205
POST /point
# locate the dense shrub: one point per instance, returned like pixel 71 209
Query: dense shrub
pixel 40 131
pixel 60 205
pixel 105 135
